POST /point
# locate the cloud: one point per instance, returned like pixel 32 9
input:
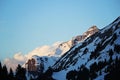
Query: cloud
pixel 40 51
pixel 44 50
pixel 12 63
pixel 19 58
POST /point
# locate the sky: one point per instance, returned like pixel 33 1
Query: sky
pixel 27 24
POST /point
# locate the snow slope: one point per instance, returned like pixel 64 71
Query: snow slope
pixel 56 51
pixel 95 48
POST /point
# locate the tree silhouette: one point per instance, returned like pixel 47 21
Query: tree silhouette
pixel 117 48
pixel 46 75
pixel 20 73
pixel 110 52
pixel 71 75
pixel 11 75
pixel 113 71
pixel 93 69
pixel 83 73
pixel 85 51
pixel 4 74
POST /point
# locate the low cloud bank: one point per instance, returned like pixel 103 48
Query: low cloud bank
pixel 19 58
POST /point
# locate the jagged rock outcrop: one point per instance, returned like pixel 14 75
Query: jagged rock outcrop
pixel 92 30
pixel 30 65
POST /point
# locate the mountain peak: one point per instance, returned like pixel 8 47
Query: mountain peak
pixel 77 39
pixel 94 27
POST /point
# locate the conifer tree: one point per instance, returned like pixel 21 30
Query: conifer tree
pixel 4 73
pixel 11 75
pixel 20 73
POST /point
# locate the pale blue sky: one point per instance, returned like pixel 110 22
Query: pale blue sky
pixel 27 24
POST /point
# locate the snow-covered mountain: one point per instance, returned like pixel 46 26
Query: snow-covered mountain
pixel 42 63
pixel 65 46
pixel 102 49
